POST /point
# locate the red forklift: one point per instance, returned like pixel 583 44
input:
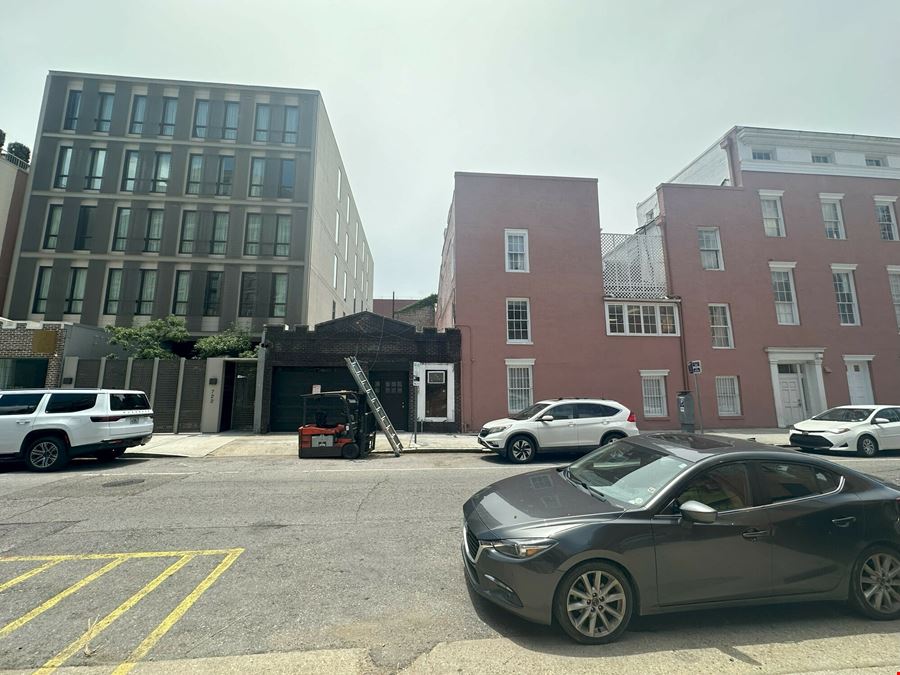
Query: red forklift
pixel 336 424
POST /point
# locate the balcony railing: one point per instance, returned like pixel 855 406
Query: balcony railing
pixel 12 159
pixel 634 266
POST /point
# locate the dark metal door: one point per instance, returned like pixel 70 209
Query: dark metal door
pixel 392 389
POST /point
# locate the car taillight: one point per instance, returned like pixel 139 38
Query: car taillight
pixel 631 417
pixel 106 419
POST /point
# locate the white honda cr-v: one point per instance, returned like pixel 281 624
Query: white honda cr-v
pixel 46 427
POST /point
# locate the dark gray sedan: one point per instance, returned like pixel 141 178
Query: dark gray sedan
pixel 668 522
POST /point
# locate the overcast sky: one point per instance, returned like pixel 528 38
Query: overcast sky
pixel 627 92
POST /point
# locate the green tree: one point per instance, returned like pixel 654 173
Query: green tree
pixel 2 138
pixel 19 150
pixel 230 342
pixel 153 340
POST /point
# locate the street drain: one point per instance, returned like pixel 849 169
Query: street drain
pixel 122 483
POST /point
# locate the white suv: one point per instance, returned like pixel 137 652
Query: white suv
pixel 46 427
pixel 569 424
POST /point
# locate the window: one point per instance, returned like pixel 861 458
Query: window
pixel 211 295
pixel 833 219
pixel 146 292
pixel 182 290
pixel 161 171
pixel 518 321
pixel 291 123
pixel 75 293
pixel 128 402
pixel 51 230
pixel 73 105
pixel 519 387
pixel 720 326
pixel 282 235
pixel 764 155
pixel 138 112
pixel 95 169
pixel 773 218
pixel 230 129
pixel 41 290
pixel 783 481
pixel 247 305
pixel 257 176
pixel 261 126
pixel 334 271
pixel 286 180
pixel 201 118
pixel 516 250
pixel 337 228
pixel 153 233
pixel 113 291
pixel 642 319
pixel 188 232
pixel 822 158
pixel 19 404
pixel 252 231
pixel 226 175
pixel 724 488
pixel 120 231
pixel 167 125
pixel 104 112
pixel 894 278
pixel 70 403
pixel 63 165
pixel 220 233
pixel 345 286
pixel 83 228
pixel 347 247
pixel 129 171
pixel 278 306
pixel 194 174
pixel 710 248
pixel 653 387
pixel 875 161
pixel 887 220
pixel 845 294
pixel 728 397
pixel 592 410
pixel 785 298
pixel 340 180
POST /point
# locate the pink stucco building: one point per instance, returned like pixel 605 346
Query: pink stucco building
pixel 774 259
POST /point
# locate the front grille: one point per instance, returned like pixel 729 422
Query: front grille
pixel 810 441
pixel 484 432
pixel 471 544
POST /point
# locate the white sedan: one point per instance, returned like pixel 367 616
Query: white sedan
pixel 863 428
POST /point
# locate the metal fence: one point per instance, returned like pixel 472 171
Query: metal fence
pixel 634 265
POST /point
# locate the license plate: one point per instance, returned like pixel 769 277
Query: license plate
pixel 135 420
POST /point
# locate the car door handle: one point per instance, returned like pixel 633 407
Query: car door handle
pixel 754 534
pixel 844 522
pixel 22 421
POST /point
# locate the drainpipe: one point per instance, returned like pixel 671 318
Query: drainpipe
pixel 467 403
pixel 681 334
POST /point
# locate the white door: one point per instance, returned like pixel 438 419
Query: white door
pixel 791 398
pixel 16 417
pixel 859 383
pixel 561 432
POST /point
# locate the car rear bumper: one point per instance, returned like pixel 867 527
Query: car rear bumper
pixel 112 444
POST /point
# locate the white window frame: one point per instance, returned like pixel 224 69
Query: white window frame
pixel 658 333
pixel 833 198
pixel 789 268
pixel 876 160
pixel 737 396
pixel 827 156
pixel 727 326
pixel 658 376
pixel 528 340
pixel 514 364
pixel 762 151
pixel 894 285
pixel 506 235
pixel 776 196
pixel 849 270
pixel 889 202
pixel 718 249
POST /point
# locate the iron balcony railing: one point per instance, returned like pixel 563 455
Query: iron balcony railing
pixel 12 159
pixel 634 265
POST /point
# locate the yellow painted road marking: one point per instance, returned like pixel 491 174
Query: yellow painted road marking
pixel 27 575
pixel 77 586
pixel 107 556
pixel 176 614
pixel 104 623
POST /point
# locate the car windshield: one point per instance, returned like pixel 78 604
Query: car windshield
pixel 529 412
pixel 845 415
pixel 627 473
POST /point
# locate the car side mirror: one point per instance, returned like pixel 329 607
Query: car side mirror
pixel 698 512
pixel 881 420
pixel 547 418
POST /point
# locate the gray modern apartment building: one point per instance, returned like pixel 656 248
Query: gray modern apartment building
pixel 224 204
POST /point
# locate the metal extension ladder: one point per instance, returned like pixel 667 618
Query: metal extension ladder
pixel 384 421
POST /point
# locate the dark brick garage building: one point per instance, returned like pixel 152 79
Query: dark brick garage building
pixel 392 353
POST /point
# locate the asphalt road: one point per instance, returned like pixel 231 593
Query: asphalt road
pixel 328 566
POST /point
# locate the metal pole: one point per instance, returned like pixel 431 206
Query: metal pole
pixel 415 414
pixel 699 401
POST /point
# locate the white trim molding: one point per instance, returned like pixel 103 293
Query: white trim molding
pixel 832 196
pixel 520 362
pixel 858 357
pixel 776 265
pixel 844 267
pixel 893 269
pixel 654 373
pixel 882 198
pixel 771 193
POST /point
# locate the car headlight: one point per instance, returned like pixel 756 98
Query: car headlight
pixel 843 430
pixel 522 548
pixel 497 430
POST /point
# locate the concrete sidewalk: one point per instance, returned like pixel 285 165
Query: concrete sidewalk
pixel 235 444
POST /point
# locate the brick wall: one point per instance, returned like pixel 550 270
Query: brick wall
pixel 25 340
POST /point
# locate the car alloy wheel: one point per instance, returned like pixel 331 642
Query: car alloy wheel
pixel 879 580
pixel 596 604
pixel 521 450
pixel 867 446
pixel 46 454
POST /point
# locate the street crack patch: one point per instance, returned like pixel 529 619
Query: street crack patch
pixel 123 483
pixel 367 495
